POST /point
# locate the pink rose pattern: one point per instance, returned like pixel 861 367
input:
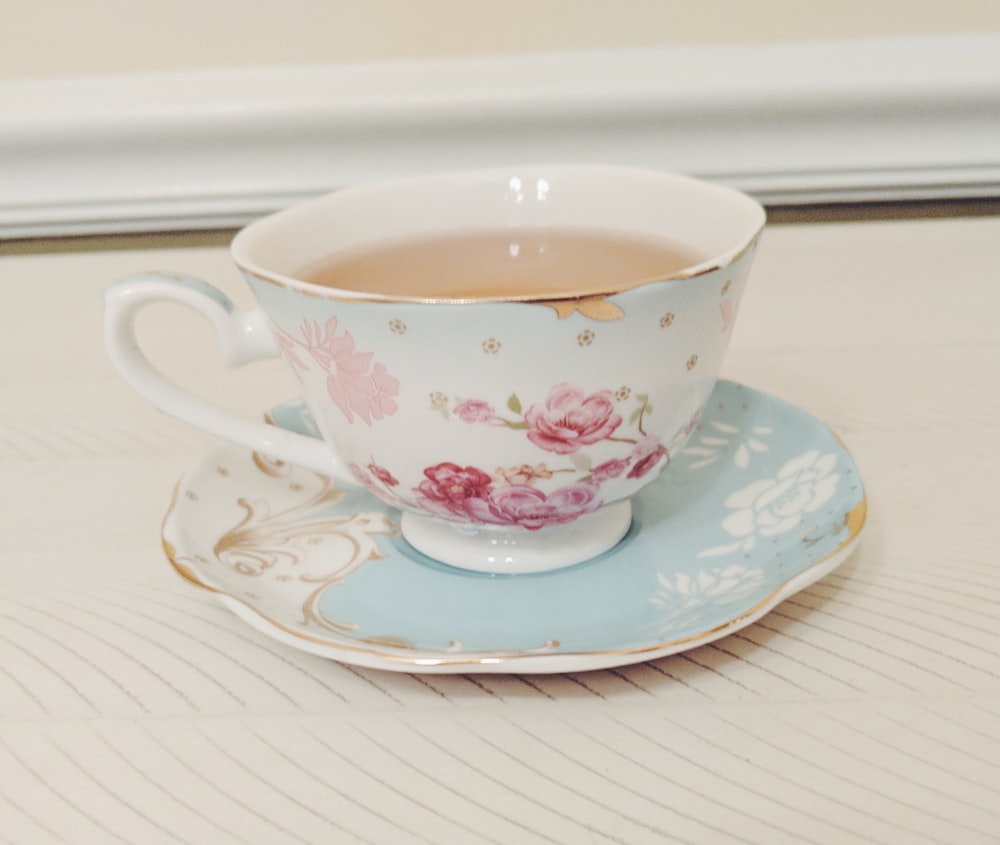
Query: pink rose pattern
pixel 609 469
pixel 566 421
pixel 646 455
pixel 469 493
pixel 357 386
pixel 383 475
pixel 447 486
pixel 569 419
pixel 529 507
pixel 474 410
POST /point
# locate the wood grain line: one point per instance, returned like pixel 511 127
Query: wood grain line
pixel 812 764
pixel 735 784
pixel 741 758
pixel 988 570
pixel 157 645
pixel 878 738
pixel 204 645
pixel 471 679
pixel 575 678
pixel 538 686
pixel 272 787
pixel 919 625
pixel 812 644
pixel 427 684
pixel 656 666
pixel 278 652
pixel 897 774
pixel 213 786
pixel 59 796
pixel 994 739
pixel 689 657
pixel 757 666
pixel 75 654
pixel 623 674
pixel 16 681
pixel 897 591
pixel 646 738
pixel 32 819
pixel 111 646
pixel 114 795
pixel 166 793
pixel 481 770
pixel 587 797
pixel 366 769
pixel 964 752
pixel 818 612
pixel 319 778
pixel 449 790
pixel 46 448
pixel 747 636
pixel 36 660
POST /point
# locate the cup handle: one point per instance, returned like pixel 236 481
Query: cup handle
pixel 244 337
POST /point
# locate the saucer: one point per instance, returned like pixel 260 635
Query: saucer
pixel 761 502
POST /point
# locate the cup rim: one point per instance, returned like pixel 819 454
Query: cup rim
pixel 718 260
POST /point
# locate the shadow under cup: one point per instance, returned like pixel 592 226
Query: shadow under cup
pixel 510 425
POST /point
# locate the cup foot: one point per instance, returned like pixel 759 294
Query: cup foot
pixel 517 550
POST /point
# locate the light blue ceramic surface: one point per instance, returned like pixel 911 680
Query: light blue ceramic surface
pixel 763 498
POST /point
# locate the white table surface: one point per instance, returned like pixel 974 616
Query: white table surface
pixel 134 708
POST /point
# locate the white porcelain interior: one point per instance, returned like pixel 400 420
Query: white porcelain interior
pixel 713 220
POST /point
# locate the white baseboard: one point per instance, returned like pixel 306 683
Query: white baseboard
pixel 876 120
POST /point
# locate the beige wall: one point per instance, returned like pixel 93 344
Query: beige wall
pixel 55 37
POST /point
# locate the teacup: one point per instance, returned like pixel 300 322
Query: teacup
pixel 509 423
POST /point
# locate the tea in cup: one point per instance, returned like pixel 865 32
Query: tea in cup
pixel 506 356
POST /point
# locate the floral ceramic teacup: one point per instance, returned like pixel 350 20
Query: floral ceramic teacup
pixel 509 430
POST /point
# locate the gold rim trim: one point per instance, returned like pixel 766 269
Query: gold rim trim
pixel 855 522
pixel 559 302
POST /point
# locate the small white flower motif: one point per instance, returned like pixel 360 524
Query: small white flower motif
pixel 710 445
pixel 773 506
pixel 741 457
pixel 684 598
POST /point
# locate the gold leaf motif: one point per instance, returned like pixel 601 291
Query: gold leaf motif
pixel 458 647
pixel 856 518
pixel 389 642
pixel 591 307
pixel 279 543
pixel 274 467
pixel 262 539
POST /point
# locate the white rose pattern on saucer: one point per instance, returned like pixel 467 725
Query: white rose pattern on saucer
pixel 761 502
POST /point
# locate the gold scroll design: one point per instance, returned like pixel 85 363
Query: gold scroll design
pixel 283 542
pixel 591 307
pixel 279 543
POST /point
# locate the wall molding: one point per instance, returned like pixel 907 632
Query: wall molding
pixel 827 122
